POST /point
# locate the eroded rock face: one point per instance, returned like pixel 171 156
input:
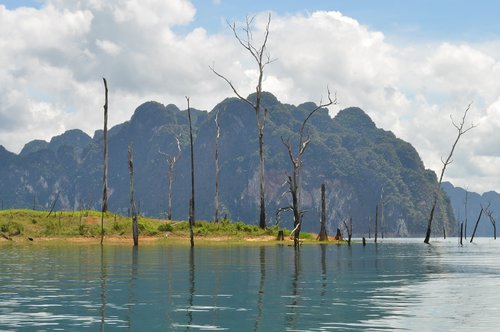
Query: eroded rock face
pixel 361 165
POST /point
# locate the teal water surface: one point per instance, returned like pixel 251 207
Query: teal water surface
pixel 394 285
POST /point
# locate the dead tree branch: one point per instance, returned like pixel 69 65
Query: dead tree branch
pixel 262 58
pixel 171 167
pixel 461 130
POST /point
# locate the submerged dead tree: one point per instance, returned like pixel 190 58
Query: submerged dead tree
pixel 477 223
pixel 461 130
pixel 348 230
pixel 323 236
pixel 465 208
pixel 216 195
pixel 262 58
pixel 191 201
pixel 294 180
pixel 135 226
pixel 105 176
pixel 171 168
pixel 489 213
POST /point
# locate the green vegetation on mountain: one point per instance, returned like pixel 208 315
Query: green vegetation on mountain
pixel 361 165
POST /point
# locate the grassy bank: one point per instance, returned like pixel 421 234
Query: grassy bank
pixel 24 224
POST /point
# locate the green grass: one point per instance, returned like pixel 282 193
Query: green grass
pixel 29 223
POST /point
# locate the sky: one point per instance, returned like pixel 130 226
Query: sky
pixel 412 66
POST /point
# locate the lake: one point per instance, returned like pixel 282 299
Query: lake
pixel 393 285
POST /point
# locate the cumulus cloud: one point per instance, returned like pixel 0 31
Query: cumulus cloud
pixel 53 60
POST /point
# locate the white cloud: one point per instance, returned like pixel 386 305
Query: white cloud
pixel 53 59
pixel 108 47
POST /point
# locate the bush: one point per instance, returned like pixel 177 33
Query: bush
pixel 166 227
pixel 11 228
pixel 89 230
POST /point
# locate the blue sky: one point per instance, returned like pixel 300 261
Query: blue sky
pixel 408 64
pixel 407 20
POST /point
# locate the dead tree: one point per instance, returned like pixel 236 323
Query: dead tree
pixel 477 223
pixel 294 181
pixel 191 201
pixel 279 211
pixel 216 195
pixel 171 167
pixel 465 208
pixel 460 131
pixel 348 230
pixel 262 59
pixel 376 223
pixel 461 233
pixel 135 226
pixel 489 213
pixel 105 176
pixel 53 204
pixel 323 236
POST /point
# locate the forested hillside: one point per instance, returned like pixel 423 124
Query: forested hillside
pixel 361 165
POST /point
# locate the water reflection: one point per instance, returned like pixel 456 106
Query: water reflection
pixel 191 286
pixel 292 314
pixel 324 277
pixel 401 285
pixel 102 309
pixel 260 294
pixel 132 285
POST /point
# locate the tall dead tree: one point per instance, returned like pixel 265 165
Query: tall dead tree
pixel 477 223
pixel 376 223
pixel 105 176
pixel 348 230
pixel 489 213
pixel 171 168
pixel 216 195
pixel 135 226
pixel 262 58
pixel 323 236
pixel 460 131
pixel 295 180
pixel 465 208
pixel 191 201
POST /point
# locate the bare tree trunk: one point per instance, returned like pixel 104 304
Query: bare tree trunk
pixel 444 232
pixel 262 59
pixel 53 204
pixel 323 236
pixel 135 226
pixel 382 218
pixel 461 131
pixel 170 181
pixel 376 223
pixel 105 176
pixel 295 180
pixel 349 231
pixel 216 196
pixel 191 217
pixel 171 168
pixel 191 205
pixel 465 208
pixel 262 181
pixel 477 223
pixel 489 213
pixel 461 233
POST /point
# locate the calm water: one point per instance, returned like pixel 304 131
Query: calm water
pixel 397 284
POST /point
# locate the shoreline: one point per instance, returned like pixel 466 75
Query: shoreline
pixel 160 240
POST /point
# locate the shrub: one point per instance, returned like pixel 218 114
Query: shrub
pixel 89 230
pixel 11 228
pixel 166 227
